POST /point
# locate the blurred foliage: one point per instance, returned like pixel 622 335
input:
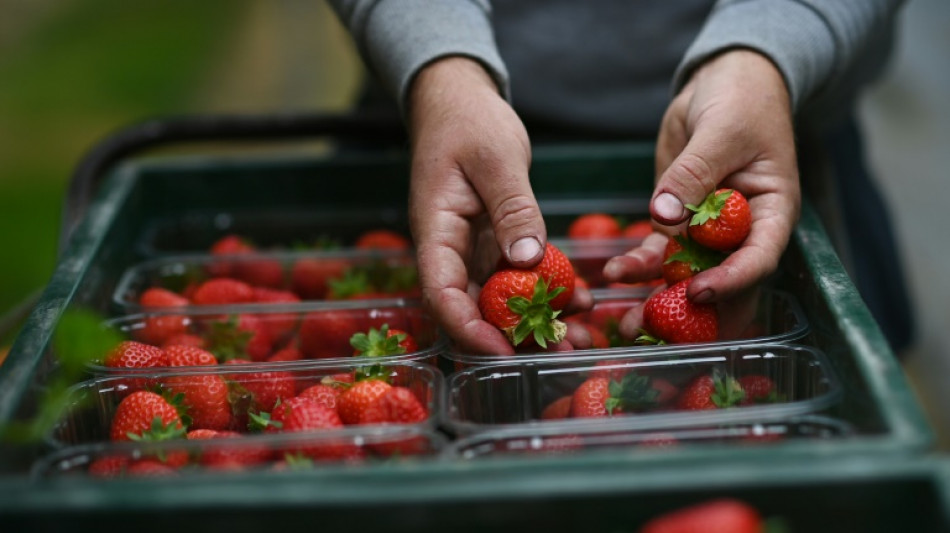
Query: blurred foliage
pixel 77 72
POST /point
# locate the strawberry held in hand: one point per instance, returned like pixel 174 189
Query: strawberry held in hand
pixel 669 317
pixel 722 221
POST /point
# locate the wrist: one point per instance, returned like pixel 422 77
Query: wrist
pixel 755 69
pixel 445 79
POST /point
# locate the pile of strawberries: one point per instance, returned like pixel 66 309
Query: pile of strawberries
pixel 613 390
pixel 232 405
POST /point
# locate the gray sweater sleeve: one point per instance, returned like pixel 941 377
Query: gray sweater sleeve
pixel 814 43
pixel 397 38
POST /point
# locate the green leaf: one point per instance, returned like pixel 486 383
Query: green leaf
pixel 81 338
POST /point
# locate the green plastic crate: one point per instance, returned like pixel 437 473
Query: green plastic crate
pixel 877 402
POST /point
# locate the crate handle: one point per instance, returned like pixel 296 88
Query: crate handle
pixel 139 137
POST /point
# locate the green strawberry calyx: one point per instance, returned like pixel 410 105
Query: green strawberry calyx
pixel 538 318
pixel 258 422
pixel 710 208
pixel 697 256
pixel 634 393
pixel 646 338
pixel 727 392
pixel 377 342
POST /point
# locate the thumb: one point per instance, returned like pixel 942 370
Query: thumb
pixel 515 216
pixel 705 161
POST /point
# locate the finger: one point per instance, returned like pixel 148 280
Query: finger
pixel 712 153
pixel 578 336
pixel 632 320
pixel 642 263
pixel 501 179
pixel 581 301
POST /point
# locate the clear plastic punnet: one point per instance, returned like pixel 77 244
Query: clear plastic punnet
pixel 691 387
pixel 776 317
pixel 229 453
pixel 244 400
pixel 268 278
pixel 280 335
pixel 553 441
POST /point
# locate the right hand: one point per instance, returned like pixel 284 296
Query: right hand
pixel 470 199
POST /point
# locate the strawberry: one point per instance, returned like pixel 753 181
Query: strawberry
pixel 182 355
pixel 556 269
pixel 145 415
pixel 381 239
pixel 722 221
pixel 262 272
pixel 309 277
pixel 205 399
pixel 225 246
pixel 223 291
pixel 518 303
pixel 358 397
pixel 259 391
pixel 758 389
pixel 683 258
pixel 326 333
pixel 157 329
pixel 323 394
pixel 600 396
pixel 306 414
pixel 278 324
pixel 184 339
pixel 612 370
pixel 382 342
pixel 716 516
pixel 110 466
pixel 710 391
pixel 132 354
pixel 290 353
pixel 232 456
pixel 669 317
pixel 150 468
pixel 638 229
pixel 397 405
pixel 240 337
pixel 157 297
pixel 558 409
pixel 590 397
pixel 594 226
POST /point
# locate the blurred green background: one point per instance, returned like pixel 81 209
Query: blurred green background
pixel 72 72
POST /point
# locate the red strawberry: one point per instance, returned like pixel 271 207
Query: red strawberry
pixel 223 291
pixel 669 317
pixel 683 258
pixel 260 391
pixel 240 337
pixel 310 276
pixel 716 516
pixel 600 396
pixel 290 353
pixel 758 389
pixel 358 397
pixel 590 398
pixel 206 399
pixel 132 354
pixel 231 456
pixel 518 303
pixel 710 391
pixel 397 405
pixel 326 333
pixel 154 297
pixel 639 229
pixel 278 324
pixel 184 339
pixel 382 342
pixel 182 355
pixel 150 468
pixel 381 239
pixel 145 415
pixel 225 246
pixel 109 466
pixel 262 272
pixel 323 394
pixel 558 409
pixel 556 269
pixel 594 226
pixel 722 221
pixel 612 370
pixel 306 414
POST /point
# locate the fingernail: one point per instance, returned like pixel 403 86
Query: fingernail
pixel 524 249
pixel 704 297
pixel 668 206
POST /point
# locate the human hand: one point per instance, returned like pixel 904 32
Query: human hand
pixel 730 126
pixel 470 200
